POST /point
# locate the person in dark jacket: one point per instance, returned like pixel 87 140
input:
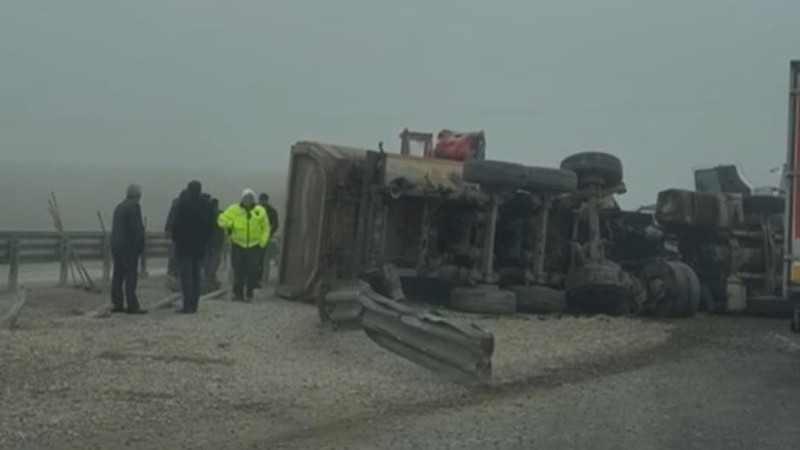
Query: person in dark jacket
pixel 270 250
pixel 191 229
pixel 173 271
pixel 127 245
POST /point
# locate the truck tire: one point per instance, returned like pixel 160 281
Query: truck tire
pixel 539 299
pixel 694 291
pixel 506 175
pixel 763 205
pixel 551 180
pixel 496 174
pixel 598 287
pixel 674 291
pixel 483 299
pixel 595 168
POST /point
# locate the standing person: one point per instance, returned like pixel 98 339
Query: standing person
pixel 270 249
pixel 191 229
pixel 213 257
pixel 173 271
pixel 127 245
pixel 247 224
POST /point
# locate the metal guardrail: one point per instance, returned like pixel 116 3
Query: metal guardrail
pixel 31 247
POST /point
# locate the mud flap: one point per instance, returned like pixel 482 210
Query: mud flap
pixel 462 352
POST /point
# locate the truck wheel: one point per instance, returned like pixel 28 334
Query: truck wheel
pixel 694 291
pixel 505 175
pixel 550 180
pixel 539 299
pixel 595 168
pixel 598 287
pixel 483 299
pixel 496 174
pixel 763 205
pixel 672 290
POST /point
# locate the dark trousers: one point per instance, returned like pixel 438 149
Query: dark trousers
pixel 126 273
pixel 190 282
pixel 173 268
pixel 245 264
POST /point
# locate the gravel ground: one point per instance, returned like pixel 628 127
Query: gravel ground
pixel 722 383
pixel 241 374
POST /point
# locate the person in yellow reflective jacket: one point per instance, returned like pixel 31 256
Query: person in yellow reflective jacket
pixel 248 227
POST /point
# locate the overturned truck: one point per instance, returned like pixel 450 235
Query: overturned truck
pixel 366 229
pixel 476 235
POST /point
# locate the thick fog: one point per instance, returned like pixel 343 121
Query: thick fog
pixel 96 93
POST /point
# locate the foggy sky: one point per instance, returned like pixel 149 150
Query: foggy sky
pixel 665 85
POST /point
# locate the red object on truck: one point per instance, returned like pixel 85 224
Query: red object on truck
pixel 459 146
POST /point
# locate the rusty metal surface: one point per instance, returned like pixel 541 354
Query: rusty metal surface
pixel 337 213
pixel 313 180
pixel 462 352
pixel 408 175
pixel 679 207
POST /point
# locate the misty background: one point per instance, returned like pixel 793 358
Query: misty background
pixel 95 94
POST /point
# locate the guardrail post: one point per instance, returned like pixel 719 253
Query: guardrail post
pixel 106 251
pixel 13 264
pixel 63 255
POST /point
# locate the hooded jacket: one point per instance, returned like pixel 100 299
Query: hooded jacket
pixel 247 227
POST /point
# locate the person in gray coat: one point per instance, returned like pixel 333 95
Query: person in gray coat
pixel 127 245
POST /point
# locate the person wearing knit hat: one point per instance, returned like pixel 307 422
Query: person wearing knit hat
pixel 247 226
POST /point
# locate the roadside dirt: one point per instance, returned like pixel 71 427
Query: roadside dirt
pixel 264 372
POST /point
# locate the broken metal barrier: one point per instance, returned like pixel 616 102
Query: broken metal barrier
pixel 459 351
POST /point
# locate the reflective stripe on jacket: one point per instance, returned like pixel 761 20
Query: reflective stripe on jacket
pixel 246 228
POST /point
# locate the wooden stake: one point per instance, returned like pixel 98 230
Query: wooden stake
pixel 9 319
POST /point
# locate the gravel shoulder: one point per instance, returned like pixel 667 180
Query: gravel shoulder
pixel 239 374
pixel 722 383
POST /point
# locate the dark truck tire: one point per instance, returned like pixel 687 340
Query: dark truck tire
pixel 694 291
pixel 763 205
pixel 550 180
pixel 496 174
pixel 673 286
pixel 539 299
pixel 598 287
pixel 595 168
pixel 483 299
pixel 506 175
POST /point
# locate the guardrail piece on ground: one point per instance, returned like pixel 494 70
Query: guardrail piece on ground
pixel 462 352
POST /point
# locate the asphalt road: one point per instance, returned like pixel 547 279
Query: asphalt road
pixel 718 383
